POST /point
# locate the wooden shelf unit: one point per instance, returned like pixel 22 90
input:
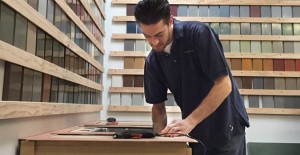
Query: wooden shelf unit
pixel 262 20
pixel 20 109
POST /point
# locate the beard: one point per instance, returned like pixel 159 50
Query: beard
pixel 162 45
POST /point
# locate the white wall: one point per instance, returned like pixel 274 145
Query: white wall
pixel 13 129
pixel 264 128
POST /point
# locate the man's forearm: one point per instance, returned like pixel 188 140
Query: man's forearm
pixel 159 117
pixel 212 101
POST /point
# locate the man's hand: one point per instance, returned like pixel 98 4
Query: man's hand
pixel 178 127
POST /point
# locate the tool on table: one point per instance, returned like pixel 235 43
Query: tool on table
pixel 111 121
pixel 134 134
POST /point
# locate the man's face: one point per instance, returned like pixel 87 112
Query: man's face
pixel 158 35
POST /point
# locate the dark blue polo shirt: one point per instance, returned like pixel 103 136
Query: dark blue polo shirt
pixel 189 71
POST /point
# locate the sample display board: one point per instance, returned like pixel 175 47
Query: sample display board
pixel 261 43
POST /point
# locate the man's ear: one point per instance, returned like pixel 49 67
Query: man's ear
pixel 171 20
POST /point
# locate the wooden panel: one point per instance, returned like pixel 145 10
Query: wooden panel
pixel 128 80
pixel 116 81
pixel 258 83
pixel 27 84
pixel 12 82
pixel 253 101
pixel 138 81
pixel 267 64
pixel 278 65
pixel 139 63
pixel 236 64
pixel 269 83
pixel 182 10
pixel 7 21
pixel 129 63
pixel 247 82
pixel 279 83
pixel 193 10
pixel 255 11
pixel 126 99
pixel 115 99
pixel 268 102
pixel 137 99
pixel 46 88
pixel 289 65
pixel 291 83
pixel 246 64
pixel 173 10
pixel 13 109
pixel 265 11
pixel 130 10
pixel 225 11
pixel 257 64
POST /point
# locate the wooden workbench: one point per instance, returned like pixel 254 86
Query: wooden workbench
pixel 81 140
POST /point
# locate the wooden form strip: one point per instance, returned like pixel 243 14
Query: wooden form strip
pixel 221 19
pixel 260 37
pixel 260 92
pixel 128 53
pixel 114 108
pixel 138 90
pixel 273 111
pixel 263 55
pixel 264 92
pixel 175 109
pixel 23 58
pixel 17 109
pixel 266 73
pixel 222 37
pixel 234 73
pixel 100 8
pixel 90 12
pixel 28 12
pixel 126 72
pixel 70 13
pixel 220 2
pixel 227 55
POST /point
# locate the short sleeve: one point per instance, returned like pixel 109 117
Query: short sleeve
pixel 211 55
pixel 155 89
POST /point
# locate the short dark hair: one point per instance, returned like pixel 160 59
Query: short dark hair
pixel 152 11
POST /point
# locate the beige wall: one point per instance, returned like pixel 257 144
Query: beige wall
pixel 13 129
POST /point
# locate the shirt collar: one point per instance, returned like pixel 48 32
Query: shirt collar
pixel 177 29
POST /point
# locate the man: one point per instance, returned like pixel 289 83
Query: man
pixel 187 58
